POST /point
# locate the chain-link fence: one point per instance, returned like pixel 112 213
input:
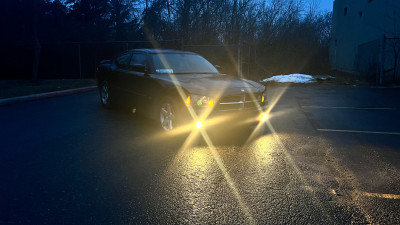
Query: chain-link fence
pixel 231 59
pixel 225 56
pixel 379 60
pixel 367 59
pixel 66 60
pixel 79 60
pixel 390 71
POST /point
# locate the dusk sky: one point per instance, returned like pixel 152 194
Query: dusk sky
pixel 324 4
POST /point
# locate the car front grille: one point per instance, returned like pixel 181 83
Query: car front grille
pixel 238 102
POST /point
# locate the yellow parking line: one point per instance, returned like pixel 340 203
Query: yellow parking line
pixel 379 195
pixel 359 131
pixel 344 107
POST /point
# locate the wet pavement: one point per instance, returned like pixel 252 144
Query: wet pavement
pixel 328 155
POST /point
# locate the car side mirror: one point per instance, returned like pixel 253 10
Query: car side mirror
pixel 219 68
pixel 139 68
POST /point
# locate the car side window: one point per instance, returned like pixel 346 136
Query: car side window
pixel 138 62
pixel 123 60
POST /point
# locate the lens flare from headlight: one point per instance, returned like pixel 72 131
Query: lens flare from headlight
pixel 264 117
pixel 199 124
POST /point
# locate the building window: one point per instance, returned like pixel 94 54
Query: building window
pixel 345 11
pixel 370 1
pixel 360 13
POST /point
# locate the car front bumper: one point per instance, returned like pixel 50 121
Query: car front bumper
pixel 229 118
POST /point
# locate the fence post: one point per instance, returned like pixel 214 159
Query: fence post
pixel 239 60
pixel 79 61
pixel 382 64
pixel 248 60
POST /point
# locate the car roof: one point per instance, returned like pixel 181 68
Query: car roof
pixel 159 51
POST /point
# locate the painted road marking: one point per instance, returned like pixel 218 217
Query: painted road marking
pixel 375 195
pixel 358 131
pixel 344 107
pixel 378 195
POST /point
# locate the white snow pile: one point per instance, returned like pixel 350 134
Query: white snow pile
pixel 291 78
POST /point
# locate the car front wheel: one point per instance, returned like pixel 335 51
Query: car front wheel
pixel 168 115
pixel 105 94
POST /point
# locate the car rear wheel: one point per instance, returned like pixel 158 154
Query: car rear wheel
pixel 105 94
pixel 168 116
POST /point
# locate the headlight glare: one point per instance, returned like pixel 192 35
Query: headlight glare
pixel 199 124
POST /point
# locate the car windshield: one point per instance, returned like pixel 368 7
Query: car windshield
pixel 182 64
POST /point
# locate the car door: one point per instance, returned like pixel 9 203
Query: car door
pixel 140 81
pixel 120 70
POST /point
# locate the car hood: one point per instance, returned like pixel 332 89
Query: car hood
pixel 213 84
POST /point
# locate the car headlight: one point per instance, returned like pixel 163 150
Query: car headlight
pixel 199 100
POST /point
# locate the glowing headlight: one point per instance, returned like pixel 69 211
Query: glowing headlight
pixel 199 124
pixel 263 117
pixel 201 101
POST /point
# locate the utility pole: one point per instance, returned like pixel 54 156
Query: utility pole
pixel 239 60
pixel 79 60
pixel 36 55
pixel 239 57
pixel 382 64
pixel 182 44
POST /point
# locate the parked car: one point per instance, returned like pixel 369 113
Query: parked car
pixel 178 88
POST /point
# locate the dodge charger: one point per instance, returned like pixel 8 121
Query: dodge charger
pixel 179 88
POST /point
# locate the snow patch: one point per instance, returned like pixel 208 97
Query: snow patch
pixel 291 78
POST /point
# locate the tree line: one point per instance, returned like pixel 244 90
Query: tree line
pixel 281 35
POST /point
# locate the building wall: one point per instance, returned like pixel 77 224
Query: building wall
pixel 357 22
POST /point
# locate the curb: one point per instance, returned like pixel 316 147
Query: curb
pixel 53 94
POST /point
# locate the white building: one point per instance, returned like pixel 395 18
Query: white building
pixel 358 28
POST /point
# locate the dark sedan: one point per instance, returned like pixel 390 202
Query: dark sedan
pixel 179 88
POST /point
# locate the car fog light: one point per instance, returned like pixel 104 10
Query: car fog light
pixel 199 124
pixel 264 116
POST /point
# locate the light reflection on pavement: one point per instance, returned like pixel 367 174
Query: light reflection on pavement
pixel 118 171
pixel 194 190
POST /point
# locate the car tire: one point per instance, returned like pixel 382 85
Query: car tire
pixel 168 115
pixel 105 94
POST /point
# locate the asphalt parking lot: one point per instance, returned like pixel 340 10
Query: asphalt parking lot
pixel 329 154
